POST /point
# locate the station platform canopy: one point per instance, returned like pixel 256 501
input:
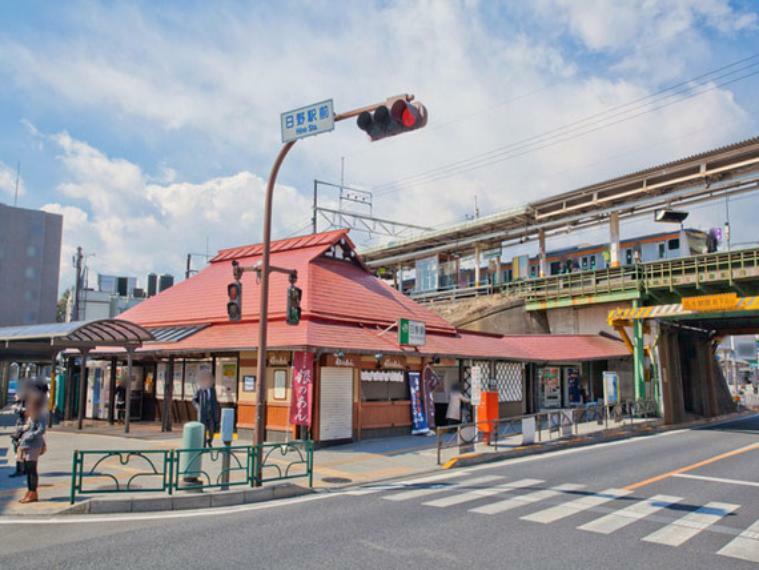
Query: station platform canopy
pixel 44 341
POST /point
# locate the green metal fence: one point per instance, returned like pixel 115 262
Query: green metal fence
pixel 149 470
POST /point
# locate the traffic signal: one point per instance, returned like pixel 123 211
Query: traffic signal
pixel 398 116
pixel 234 305
pixel 294 295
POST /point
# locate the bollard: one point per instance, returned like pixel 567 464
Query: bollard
pixel 191 462
pixel 227 433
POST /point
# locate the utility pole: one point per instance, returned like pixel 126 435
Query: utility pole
pixel 78 283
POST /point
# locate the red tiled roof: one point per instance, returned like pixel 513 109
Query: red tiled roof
pixel 344 308
pixel 337 289
pixel 290 244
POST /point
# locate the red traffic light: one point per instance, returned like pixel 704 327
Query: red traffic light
pixel 399 116
pixel 234 305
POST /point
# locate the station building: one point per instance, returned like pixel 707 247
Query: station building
pixel 348 337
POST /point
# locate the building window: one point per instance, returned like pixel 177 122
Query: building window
pixel 280 384
pixel 673 244
pixel 31 251
pixel 30 273
pixel 427 274
pixel 662 253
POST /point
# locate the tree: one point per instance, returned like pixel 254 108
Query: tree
pixel 60 309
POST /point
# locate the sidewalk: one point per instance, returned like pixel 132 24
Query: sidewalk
pixel 355 463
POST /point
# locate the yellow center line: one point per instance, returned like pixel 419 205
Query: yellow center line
pixel 692 466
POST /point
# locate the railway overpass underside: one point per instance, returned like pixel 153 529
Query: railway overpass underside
pixel 674 350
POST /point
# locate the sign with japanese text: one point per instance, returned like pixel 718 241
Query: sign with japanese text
pixel 418 417
pixel 306 121
pixel 706 303
pixel 411 333
pixel 302 388
pixel 476 386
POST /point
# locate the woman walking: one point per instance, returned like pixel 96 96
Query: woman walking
pixel 32 441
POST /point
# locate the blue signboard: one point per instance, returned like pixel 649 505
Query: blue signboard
pixel 418 417
pixel 306 121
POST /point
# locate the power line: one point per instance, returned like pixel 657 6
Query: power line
pixel 581 127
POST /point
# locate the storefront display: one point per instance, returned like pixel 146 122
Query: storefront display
pixel 550 387
pixel 226 379
pixel 573 394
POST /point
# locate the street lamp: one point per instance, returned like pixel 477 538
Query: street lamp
pixel 393 116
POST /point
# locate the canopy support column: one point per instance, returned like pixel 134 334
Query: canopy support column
pixel 128 403
pixel 614 239
pixel 82 388
pixel 542 252
pixel 112 391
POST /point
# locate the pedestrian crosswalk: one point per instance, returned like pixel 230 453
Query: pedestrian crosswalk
pixel 619 508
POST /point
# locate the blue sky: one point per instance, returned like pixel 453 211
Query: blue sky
pixel 152 126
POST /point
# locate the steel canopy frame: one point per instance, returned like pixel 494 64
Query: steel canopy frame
pixel 718 173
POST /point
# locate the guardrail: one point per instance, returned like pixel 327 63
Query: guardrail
pixel 663 274
pixel 566 421
pixel 149 470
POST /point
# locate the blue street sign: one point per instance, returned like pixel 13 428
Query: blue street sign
pixel 306 121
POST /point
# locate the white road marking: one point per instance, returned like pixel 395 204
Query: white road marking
pixel 745 546
pixel 569 508
pixel 690 525
pixel 623 517
pixel 415 493
pixel 527 499
pixel 480 493
pixel 717 479
pixel 369 489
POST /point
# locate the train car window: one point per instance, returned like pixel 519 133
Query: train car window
pixel 673 244
pixel 592 261
pixel 555 267
pixel 628 256
pixel 533 270
pixel 584 263
pixel 507 276
pixel 661 251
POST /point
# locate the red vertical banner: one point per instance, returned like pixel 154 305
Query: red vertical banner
pixel 302 389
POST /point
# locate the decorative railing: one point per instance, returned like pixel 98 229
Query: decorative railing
pixel 212 467
pixel 289 460
pixel 171 470
pixel 549 423
pixel 652 275
pixel 123 471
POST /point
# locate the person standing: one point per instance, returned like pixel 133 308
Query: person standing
pixel 454 414
pixel 32 441
pixel 207 406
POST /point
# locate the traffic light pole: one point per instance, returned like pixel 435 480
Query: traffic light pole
pixel 265 269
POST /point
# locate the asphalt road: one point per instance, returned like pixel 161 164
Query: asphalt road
pixel 686 499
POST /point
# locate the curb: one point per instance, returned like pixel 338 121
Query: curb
pixel 471 459
pixel 102 506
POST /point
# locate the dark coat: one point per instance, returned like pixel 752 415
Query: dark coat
pixel 207 408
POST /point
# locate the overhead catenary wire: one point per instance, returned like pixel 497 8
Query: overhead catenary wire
pixel 684 91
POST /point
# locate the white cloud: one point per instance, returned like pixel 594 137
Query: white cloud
pixel 221 77
pixel 133 226
pixel 8 178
